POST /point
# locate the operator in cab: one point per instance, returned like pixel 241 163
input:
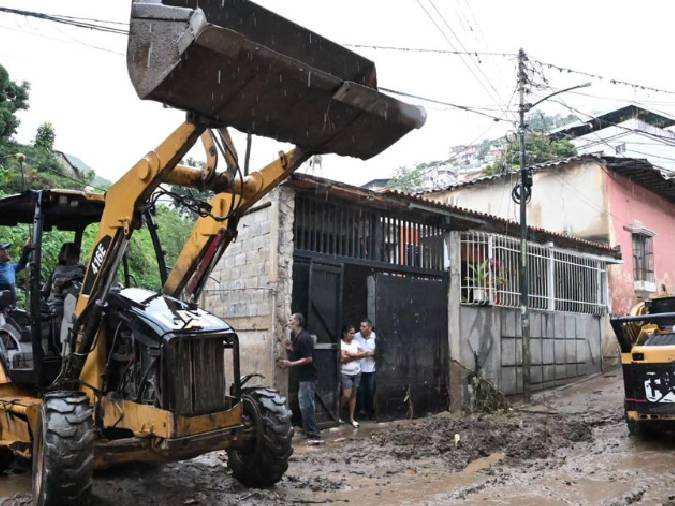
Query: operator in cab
pixel 9 270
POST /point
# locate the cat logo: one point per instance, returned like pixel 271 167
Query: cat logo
pixel 659 389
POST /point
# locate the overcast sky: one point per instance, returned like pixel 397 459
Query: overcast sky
pixel 79 81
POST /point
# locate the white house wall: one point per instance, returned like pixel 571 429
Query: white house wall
pixel 570 199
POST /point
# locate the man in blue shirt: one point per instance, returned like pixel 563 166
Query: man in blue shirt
pixel 8 270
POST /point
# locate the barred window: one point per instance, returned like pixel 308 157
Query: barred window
pixel 643 258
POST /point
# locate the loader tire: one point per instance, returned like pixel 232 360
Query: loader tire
pixel 6 459
pixel 63 450
pixel 265 463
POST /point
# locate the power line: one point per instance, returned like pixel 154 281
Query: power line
pixel 58 39
pixel 632 130
pixel 431 50
pixel 461 45
pixel 68 20
pixel 611 80
pixel 449 104
pixel 447 39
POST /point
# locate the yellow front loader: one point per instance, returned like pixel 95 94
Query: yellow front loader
pixel 132 375
pixel 647 343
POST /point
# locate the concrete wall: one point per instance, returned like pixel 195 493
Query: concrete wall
pixel 571 199
pixel 251 286
pixel 563 346
pixel 630 205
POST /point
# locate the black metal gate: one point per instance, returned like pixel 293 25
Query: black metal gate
pixel 317 294
pixel 411 324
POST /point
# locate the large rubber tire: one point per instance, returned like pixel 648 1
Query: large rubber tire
pixel 643 430
pixel 265 464
pixel 63 450
pixel 6 458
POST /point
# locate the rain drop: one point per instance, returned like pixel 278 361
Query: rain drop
pixel 219 71
pixel 309 79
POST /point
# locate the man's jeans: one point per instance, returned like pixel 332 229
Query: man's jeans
pixel 306 393
pixel 366 393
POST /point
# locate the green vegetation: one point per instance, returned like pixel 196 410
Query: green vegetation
pixel 538 147
pixel 38 166
pixel 407 179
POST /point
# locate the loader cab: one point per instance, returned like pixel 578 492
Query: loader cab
pixel 29 333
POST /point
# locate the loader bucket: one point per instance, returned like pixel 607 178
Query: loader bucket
pixel 240 65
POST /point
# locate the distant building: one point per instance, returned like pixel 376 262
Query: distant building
pixel 627 132
pixel 376 184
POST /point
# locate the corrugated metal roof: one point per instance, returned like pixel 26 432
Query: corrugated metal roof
pixel 467 218
pixel 612 118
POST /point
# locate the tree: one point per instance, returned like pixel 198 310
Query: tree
pixel 44 137
pixel 13 97
pixel 538 147
pixel 407 179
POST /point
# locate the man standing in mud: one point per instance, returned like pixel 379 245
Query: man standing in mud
pixel 366 393
pixel 301 355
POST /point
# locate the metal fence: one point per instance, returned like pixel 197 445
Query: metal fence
pixel 559 280
pixel 367 234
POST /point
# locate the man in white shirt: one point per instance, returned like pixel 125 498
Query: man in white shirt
pixel 366 393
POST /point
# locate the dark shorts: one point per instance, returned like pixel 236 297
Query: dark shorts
pixel 349 382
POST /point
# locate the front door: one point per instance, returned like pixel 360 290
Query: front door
pixel 317 293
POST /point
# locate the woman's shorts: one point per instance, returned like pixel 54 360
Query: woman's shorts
pixel 349 382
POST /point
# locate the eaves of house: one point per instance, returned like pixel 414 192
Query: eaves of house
pixel 457 218
pixel 638 170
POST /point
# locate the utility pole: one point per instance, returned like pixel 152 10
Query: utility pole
pixel 523 195
pixel 20 157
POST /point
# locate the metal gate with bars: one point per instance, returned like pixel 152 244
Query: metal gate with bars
pixel 396 259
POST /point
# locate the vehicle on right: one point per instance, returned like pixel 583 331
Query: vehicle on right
pixel 647 342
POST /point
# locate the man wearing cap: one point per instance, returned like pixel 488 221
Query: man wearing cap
pixel 8 270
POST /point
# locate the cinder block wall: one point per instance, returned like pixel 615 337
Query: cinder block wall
pixel 251 287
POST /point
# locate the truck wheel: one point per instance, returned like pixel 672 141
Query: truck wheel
pixel 633 428
pixel 641 429
pixel 265 463
pixel 63 450
pixel 6 458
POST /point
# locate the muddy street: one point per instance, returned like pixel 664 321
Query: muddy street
pixel 570 447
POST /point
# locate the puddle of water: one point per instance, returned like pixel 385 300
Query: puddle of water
pixel 15 483
pixel 415 485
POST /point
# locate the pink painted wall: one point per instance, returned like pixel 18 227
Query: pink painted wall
pixel 628 203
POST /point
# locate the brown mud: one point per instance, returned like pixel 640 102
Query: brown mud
pixel 570 447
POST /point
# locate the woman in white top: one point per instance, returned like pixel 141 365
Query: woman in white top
pixel 350 355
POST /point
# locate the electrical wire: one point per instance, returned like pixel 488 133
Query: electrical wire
pixel 431 50
pixel 611 80
pixel 68 20
pixel 447 39
pixel 449 104
pixel 461 45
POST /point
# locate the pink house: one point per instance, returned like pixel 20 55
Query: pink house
pixel 620 202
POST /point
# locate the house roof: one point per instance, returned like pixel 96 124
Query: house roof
pixel 638 170
pixel 612 118
pixel 459 218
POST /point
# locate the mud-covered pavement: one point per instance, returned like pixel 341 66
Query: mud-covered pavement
pixel 572 447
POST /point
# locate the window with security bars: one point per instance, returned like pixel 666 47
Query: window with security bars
pixel 558 279
pixel 643 258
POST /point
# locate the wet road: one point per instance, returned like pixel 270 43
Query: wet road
pixel 572 447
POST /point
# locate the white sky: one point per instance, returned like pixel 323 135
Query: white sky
pixel 86 94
